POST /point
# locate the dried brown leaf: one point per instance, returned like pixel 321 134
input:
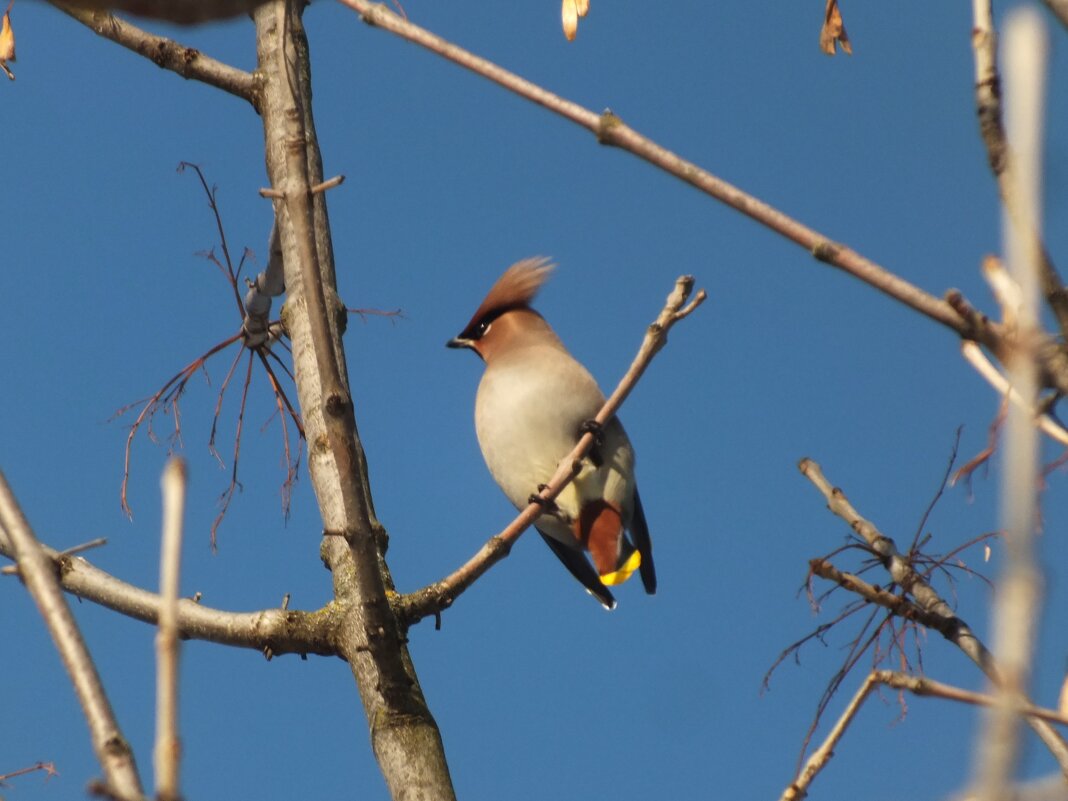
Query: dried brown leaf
pixel 7 41
pixel 569 18
pixel 833 31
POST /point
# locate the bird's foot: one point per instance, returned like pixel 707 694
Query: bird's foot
pixel 595 428
pixel 548 506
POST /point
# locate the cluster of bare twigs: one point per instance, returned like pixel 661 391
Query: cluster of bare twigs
pixel 166 400
pixel 897 611
pixel 892 623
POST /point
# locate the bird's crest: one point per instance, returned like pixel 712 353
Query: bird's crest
pixel 515 289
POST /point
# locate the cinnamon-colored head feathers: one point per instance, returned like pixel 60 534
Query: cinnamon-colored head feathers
pixel 515 289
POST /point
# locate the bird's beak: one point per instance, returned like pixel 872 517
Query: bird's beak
pixel 460 342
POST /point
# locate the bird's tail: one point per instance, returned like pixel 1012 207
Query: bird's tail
pixel 629 561
pixel 600 529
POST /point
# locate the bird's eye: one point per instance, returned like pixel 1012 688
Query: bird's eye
pixel 483 329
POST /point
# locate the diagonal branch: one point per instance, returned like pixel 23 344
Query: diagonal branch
pixel 1059 9
pixel 433 599
pixel 611 130
pixel 900 605
pixel 36 569
pixel 167 54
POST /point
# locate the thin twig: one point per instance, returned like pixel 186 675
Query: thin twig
pixel 974 355
pixel 234 485
pixel 433 599
pixel 213 204
pixel 167 753
pixel 13 570
pixel 112 751
pixel 49 768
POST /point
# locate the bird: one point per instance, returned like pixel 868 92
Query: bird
pixel 534 402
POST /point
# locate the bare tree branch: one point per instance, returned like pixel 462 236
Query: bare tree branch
pixel 916 685
pixel 899 605
pixel 610 130
pixel 974 355
pixel 432 600
pixel 285 632
pixel 404 735
pixel 111 749
pixel 999 153
pixel 165 53
pixel 48 768
pixel 927 599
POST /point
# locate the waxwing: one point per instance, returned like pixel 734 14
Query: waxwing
pixel 533 405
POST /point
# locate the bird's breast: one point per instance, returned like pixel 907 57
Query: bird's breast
pixel 528 416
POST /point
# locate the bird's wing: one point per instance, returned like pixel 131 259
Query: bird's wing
pixel 639 530
pixel 576 562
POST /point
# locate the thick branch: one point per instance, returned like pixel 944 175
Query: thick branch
pixel 404 736
pixel 165 53
pixel 112 751
pixel 283 631
pixel 439 596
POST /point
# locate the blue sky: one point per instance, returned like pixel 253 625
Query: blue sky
pixel 539 693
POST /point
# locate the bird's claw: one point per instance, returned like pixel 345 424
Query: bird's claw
pixel 547 504
pixel 597 430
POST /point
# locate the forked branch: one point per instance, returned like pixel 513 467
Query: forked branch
pixel 916 685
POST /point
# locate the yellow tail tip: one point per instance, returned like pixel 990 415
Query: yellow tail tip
pixel 623 572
